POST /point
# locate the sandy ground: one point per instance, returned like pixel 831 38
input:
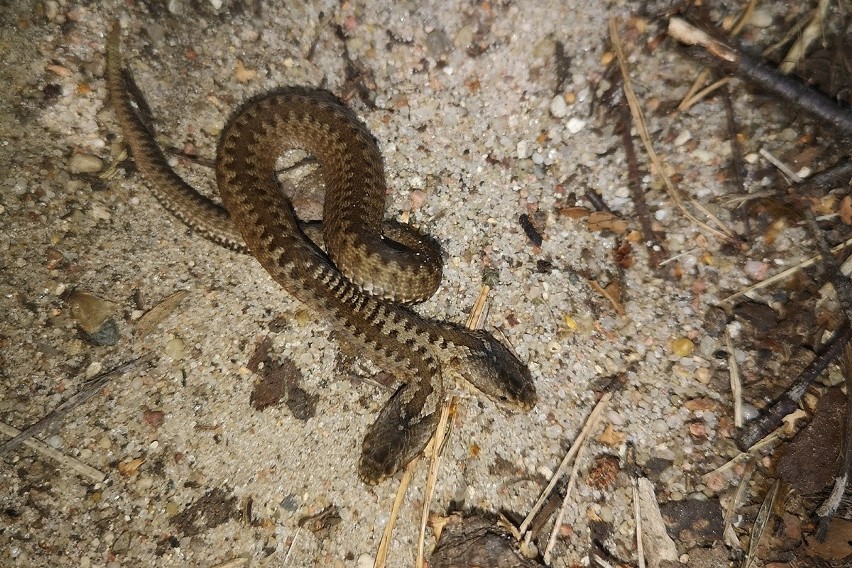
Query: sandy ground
pixel 463 99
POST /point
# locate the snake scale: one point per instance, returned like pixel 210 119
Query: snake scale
pixel 339 284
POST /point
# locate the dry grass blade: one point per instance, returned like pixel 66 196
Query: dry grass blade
pixel 384 543
pixel 687 103
pixel 637 515
pixel 748 454
pixel 810 34
pixel 642 129
pixel 557 524
pixel 784 273
pixel 432 479
pixel 695 92
pixel 736 384
pixel 760 523
pixel 729 534
pixel 575 448
pixel 434 449
pixel 475 321
pixel 45 450
pixel 89 390
pixel 158 313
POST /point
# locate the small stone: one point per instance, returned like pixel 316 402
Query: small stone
pixel 176 348
pixel 683 138
pixel 523 150
pixel 760 18
pixel 558 108
pixel 756 270
pixel 90 311
pixel 682 347
pixel 575 125
pixel 750 412
pixel 51 10
pixel 85 164
pixel 122 543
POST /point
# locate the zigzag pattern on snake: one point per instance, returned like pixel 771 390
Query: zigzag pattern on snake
pixel 257 218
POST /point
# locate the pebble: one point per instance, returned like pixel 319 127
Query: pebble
pixel 90 311
pixel 85 164
pixel 659 426
pixel 55 442
pixel 558 108
pixel 523 150
pixel 756 270
pixel 553 431
pixel 682 138
pixel 175 7
pixel 750 412
pixel 51 10
pixel 575 125
pixel 760 18
pixel 683 347
pixel 175 348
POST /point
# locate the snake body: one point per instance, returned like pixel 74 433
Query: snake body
pixel 351 284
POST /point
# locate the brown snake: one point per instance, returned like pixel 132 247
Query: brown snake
pixel 258 218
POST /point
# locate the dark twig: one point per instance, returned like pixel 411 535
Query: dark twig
pixel 789 89
pixel 656 250
pixel 770 420
pixel 89 390
pixel 829 507
pixel 832 268
pixel 597 201
pixel 817 185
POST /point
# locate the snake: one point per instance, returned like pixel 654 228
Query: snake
pixel 360 276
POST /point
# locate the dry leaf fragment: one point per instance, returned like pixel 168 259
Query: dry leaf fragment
pixel 604 221
pixel 244 75
pixel 611 437
pixel 131 467
pixel 574 212
pixel 152 318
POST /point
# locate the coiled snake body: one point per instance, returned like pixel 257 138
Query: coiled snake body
pixel 258 218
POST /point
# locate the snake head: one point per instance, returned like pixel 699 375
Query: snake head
pixel 488 365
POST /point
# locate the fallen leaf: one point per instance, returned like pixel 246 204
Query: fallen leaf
pixel 604 221
pixel 244 75
pixel 611 437
pixel 131 467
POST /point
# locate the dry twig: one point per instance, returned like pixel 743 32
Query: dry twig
pixel 693 95
pixel 89 390
pixel 811 32
pixel 788 89
pixel 42 448
pixel 783 274
pixel 566 461
pixel 763 516
pixel 639 118
pixel 787 403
